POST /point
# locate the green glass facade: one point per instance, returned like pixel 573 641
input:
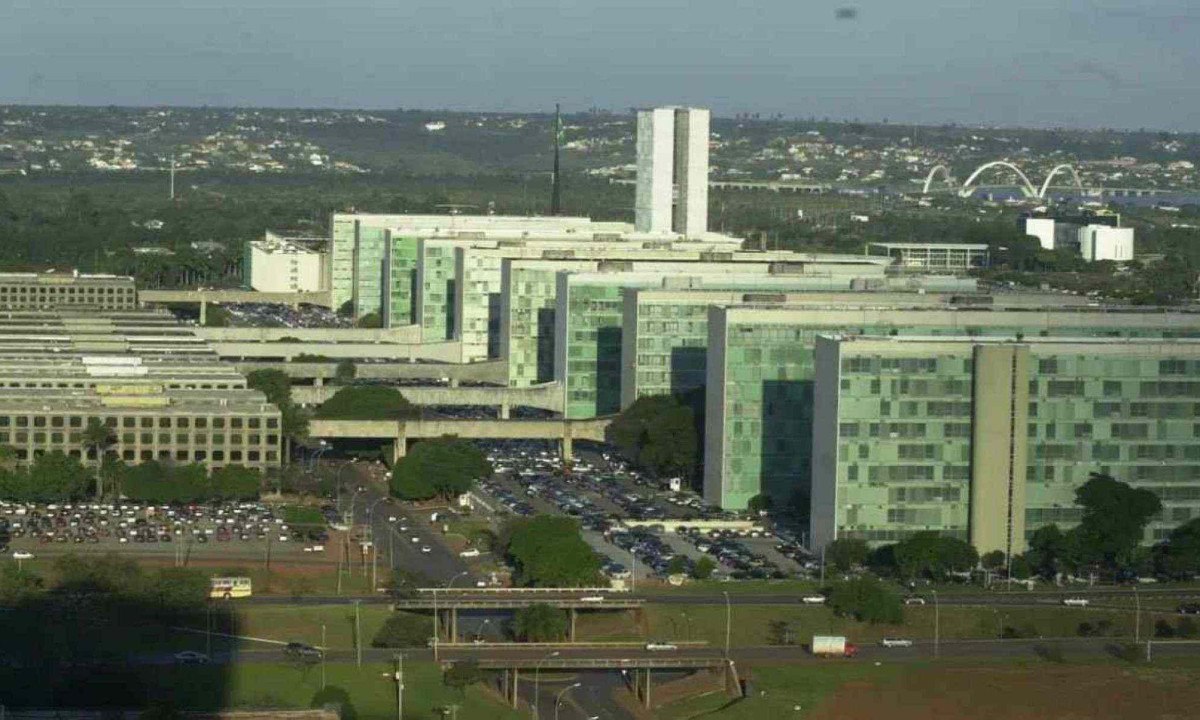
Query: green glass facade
pixel 401 265
pixel 528 299
pixel 435 301
pixel 759 379
pixel 899 448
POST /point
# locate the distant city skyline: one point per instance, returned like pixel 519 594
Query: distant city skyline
pixel 1032 63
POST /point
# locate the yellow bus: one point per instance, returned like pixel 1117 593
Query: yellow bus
pixel 229 587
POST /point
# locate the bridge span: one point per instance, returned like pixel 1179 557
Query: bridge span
pixel 494 372
pixel 401 431
pixel 547 397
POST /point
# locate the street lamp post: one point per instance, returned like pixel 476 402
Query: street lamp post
pixel 728 621
pixel 936 625
pixel 558 698
pixel 1137 615
pixel 436 634
pixel 537 671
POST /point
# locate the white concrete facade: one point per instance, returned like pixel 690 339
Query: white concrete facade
pixel 672 171
pixel 691 171
pixel 655 170
pixel 1042 229
pixel 1101 242
pixel 280 266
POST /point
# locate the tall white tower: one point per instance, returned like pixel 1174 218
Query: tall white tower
pixel 672 171
pixel 691 172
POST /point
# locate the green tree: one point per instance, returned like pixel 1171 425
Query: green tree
pixel 1179 556
pixel 927 554
pixel 1020 568
pixel 345 372
pixel 993 560
pixel 443 467
pixel 760 503
pixel 844 554
pixel 677 565
pixel 98 437
pixel 370 320
pixel 332 697
pixel 1050 551
pixel 462 674
pixel 368 402
pixel 56 476
pixel 277 386
pixel 539 623
pixel 548 551
pixel 866 599
pixel 703 569
pixel 403 630
pixel 1114 519
pixel 658 433
pixel 236 482
pixel 18 584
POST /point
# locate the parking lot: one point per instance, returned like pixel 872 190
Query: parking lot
pixel 603 493
pixel 230 528
pixel 283 316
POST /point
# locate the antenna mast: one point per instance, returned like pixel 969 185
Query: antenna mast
pixel 172 176
pixel 556 191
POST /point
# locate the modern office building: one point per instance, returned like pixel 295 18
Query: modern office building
pixel 278 264
pixel 32 291
pixel 162 391
pixel 758 406
pixel 934 257
pixel 672 171
pixel 987 439
pixel 664 335
pixel 1078 234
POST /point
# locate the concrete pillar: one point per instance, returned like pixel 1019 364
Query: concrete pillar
pixel 399 447
pixel 646 695
pixel 318 382
pixel 566 449
pixel 453 382
pixel 572 635
pixel 504 411
pixel 454 625
pixel 203 312
pixel 516 676
pixel 437 632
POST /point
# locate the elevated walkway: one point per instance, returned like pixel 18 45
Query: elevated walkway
pixel 401 431
pixel 494 372
pixel 543 397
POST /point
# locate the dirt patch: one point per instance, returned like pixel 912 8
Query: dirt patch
pixel 1035 693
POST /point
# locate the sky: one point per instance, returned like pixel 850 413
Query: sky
pixel 1036 63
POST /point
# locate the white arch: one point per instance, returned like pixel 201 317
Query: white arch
pixel 1027 188
pixel 929 178
pixel 1057 169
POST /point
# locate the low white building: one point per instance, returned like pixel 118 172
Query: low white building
pixel 1042 229
pixel 280 265
pixel 1101 242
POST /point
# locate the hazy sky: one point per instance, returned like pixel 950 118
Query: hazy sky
pixel 1113 63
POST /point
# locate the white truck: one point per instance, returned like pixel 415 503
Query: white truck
pixel 832 646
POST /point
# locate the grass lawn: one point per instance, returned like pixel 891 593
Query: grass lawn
pixel 303 623
pixel 752 624
pixel 1100 690
pixel 290 686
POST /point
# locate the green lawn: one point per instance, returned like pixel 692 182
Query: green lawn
pixel 781 692
pixel 752 624
pixel 303 623
pixel 289 686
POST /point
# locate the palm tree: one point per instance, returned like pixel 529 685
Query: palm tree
pixel 97 436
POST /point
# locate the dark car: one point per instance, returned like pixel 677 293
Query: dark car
pixel 302 650
pixel 1189 608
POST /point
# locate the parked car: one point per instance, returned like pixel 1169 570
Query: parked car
pixel 813 599
pixel 1076 602
pixel 191 657
pixel 890 642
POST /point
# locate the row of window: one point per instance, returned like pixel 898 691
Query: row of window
pixel 269 457
pixel 21 437
pixel 128 421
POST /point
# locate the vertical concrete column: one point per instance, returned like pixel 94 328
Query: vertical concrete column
pixel 504 411
pixel 646 695
pixel 453 382
pixel 399 445
pixel 516 676
pixel 318 382
pixel 567 449
pixel 572 635
pixel 454 625
pixel 203 312
pixel 998 448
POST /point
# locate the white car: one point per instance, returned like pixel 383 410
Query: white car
pixel 813 599
pixel 426 549
pixel 1076 602
pixel 658 646
pixel 414 539
pixel 473 552
pixel 391 518
pixel 21 555
pixel 896 642
pixel 314 549
pixel 914 601
pixel 592 598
